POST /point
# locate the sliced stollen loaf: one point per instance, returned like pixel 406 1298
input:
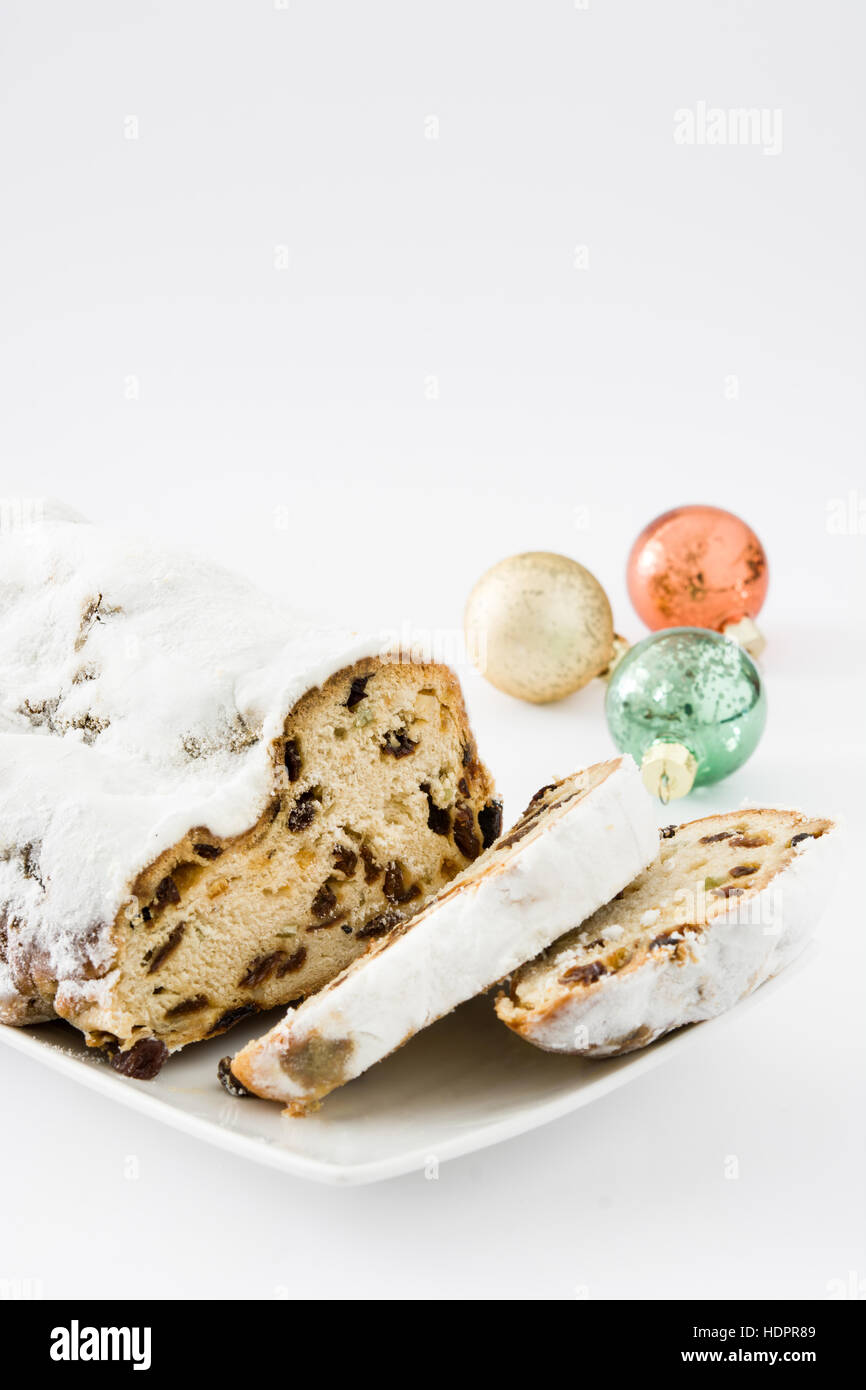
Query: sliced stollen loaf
pixel 729 903
pixel 207 802
pixel 577 843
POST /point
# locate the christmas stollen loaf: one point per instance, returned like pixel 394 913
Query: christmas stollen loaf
pixel 577 844
pixel 730 901
pixel 208 804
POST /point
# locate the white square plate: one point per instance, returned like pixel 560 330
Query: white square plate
pixel 463 1084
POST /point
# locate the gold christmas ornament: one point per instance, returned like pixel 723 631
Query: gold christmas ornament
pixel 539 626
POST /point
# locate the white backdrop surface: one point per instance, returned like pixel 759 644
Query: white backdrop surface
pixel 360 299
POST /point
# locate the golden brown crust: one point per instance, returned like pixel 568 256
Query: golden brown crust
pixel 674 943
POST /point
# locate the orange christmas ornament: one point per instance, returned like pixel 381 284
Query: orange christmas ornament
pixel 700 567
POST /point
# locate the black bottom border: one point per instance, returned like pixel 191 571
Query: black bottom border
pixel 84 1339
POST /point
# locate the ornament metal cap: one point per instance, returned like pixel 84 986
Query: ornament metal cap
pixel 620 647
pixel 668 771
pixel 747 635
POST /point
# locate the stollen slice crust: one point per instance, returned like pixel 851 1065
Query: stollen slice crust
pixel 207 800
pixel 578 842
pixel 729 902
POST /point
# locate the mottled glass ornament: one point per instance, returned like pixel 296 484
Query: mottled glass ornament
pixel 689 706
pixel 539 626
pixel 699 567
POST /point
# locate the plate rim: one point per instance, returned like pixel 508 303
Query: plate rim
pixel 524 1119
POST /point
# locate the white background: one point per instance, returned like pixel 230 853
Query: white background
pixel 287 327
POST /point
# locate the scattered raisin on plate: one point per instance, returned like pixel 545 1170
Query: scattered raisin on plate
pixel 143 1061
pixel 229 1081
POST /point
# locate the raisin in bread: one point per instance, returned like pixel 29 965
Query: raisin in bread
pixel 577 843
pixel 729 902
pixel 208 806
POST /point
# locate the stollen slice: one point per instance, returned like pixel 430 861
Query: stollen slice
pixel 729 902
pixel 577 844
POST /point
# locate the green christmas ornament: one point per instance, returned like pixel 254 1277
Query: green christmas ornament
pixel 688 705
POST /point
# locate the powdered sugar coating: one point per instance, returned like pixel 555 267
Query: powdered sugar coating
pixel 140 692
pixel 515 900
pixel 738 952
